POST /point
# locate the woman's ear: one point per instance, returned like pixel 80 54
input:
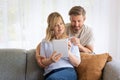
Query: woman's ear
pixel 51 30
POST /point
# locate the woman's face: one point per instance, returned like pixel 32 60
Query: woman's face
pixel 59 28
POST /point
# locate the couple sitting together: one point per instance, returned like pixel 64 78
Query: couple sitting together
pixel 81 40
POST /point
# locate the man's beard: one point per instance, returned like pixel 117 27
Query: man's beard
pixel 76 31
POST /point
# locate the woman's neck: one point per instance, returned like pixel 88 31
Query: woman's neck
pixel 57 37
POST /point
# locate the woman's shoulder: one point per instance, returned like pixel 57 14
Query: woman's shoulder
pixel 43 42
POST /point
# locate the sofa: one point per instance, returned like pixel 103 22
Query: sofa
pixel 20 64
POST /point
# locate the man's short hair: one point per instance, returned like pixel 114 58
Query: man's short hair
pixel 77 10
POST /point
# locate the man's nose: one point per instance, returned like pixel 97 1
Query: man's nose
pixel 76 23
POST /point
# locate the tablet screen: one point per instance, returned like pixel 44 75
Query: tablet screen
pixel 61 46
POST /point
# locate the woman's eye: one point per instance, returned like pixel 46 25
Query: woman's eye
pixel 56 25
pixel 61 23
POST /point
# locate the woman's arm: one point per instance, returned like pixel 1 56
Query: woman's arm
pixel 44 62
pixel 52 59
pixel 75 61
pixel 38 57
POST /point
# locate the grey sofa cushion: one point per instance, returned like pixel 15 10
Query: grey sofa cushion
pixel 34 72
pixel 112 70
pixel 12 64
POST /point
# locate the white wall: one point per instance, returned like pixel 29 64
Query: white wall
pixel 26 28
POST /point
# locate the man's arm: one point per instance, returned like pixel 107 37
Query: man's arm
pixel 88 48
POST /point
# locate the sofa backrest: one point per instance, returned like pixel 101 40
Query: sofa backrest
pixel 19 64
pixel 34 72
pixel 12 64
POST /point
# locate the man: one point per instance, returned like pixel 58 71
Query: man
pixel 83 36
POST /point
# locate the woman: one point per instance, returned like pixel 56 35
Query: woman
pixel 55 66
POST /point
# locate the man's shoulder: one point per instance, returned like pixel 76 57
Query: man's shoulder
pixel 86 27
pixel 68 24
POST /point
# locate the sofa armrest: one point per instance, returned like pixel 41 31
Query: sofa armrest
pixel 112 70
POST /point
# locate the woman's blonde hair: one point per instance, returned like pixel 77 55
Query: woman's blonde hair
pixel 52 20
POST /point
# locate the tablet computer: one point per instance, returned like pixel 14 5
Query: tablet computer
pixel 61 46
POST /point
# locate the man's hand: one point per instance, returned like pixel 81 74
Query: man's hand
pixel 87 48
pixel 75 41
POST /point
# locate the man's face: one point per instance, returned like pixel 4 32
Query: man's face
pixel 77 22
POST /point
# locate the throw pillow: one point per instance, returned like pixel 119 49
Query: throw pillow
pixel 91 66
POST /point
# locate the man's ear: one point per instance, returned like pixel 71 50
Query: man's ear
pixel 70 18
pixel 84 18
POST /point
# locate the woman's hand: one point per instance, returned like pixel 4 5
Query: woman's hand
pixel 44 62
pixel 55 56
pixel 39 60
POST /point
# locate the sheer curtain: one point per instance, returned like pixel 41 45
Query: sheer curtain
pixel 23 22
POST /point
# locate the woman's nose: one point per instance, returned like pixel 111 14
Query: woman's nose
pixel 59 26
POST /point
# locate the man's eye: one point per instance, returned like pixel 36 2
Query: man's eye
pixel 73 21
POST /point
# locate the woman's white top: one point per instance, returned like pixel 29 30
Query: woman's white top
pixel 46 50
